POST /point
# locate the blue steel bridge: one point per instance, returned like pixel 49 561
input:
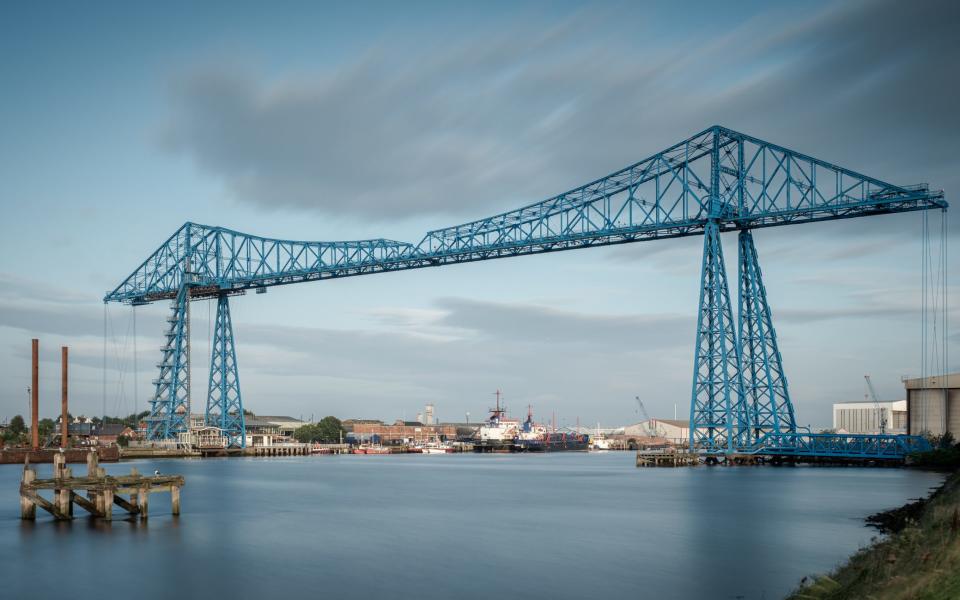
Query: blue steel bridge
pixel 716 181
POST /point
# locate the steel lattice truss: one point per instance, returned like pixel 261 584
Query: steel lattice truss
pixel 224 403
pixel 717 406
pixel 170 405
pixel 716 181
pixel 765 385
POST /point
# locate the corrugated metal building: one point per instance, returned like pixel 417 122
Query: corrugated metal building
pixel 866 417
pixel 933 404
pixel 673 430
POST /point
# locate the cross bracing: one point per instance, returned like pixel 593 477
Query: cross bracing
pixel 716 181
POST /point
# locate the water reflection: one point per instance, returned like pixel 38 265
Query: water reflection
pixel 563 525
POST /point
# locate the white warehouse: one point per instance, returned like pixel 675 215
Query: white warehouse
pixel 867 417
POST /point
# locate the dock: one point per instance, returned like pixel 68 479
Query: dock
pixel 17 456
pixel 668 457
pixel 97 493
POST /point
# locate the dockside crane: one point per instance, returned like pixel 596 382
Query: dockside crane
pixel 876 403
pixel 643 411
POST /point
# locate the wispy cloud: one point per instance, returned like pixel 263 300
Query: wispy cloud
pixel 500 117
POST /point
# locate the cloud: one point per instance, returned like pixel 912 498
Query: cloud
pixel 483 345
pixel 41 318
pixel 500 117
pixel 532 324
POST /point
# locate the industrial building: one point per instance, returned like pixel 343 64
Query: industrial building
pixel 673 430
pixel 933 405
pixel 260 431
pixel 870 417
pixel 399 432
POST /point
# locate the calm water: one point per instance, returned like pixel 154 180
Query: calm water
pixel 456 526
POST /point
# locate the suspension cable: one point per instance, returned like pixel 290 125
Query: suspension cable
pixel 136 399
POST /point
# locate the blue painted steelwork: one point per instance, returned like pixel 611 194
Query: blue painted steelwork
pixel 716 181
pixel 224 402
pixel 718 419
pixel 765 384
pixel 739 181
pixel 170 406
pixel 828 445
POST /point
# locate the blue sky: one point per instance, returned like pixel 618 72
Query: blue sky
pixel 307 121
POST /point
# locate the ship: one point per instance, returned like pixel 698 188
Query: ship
pixel 502 435
pixel 599 442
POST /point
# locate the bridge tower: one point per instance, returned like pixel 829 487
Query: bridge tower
pixel 224 403
pixel 765 384
pixel 718 419
pixel 170 405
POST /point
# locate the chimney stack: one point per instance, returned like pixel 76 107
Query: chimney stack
pixel 64 427
pixel 34 396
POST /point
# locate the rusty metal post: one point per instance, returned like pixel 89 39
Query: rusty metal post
pixel 34 396
pixel 64 427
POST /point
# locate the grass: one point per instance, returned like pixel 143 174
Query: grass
pixel 919 561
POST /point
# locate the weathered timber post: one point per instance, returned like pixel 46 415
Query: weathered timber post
pixel 143 501
pixel 133 497
pixel 107 496
pixel 28 510
pixel 64 502
pixel 59 468
pixel 93 460
pixel 175 500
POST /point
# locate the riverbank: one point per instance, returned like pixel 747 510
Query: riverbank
pixel 919 559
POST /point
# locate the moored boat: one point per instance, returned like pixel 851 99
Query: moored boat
pixel 371 449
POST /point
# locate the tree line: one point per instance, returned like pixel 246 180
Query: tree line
pixel 329 430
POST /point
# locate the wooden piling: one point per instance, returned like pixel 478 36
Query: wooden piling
pixel 103 491
pixel 133 497
pixel 175 500
pixel 143 502
pixel 28 510
pixel 107 499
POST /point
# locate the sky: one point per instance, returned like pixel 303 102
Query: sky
pixel 316 121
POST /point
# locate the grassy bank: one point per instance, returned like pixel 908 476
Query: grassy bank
pixel 919 560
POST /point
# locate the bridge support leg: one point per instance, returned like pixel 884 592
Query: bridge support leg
pixel 224 403
pixel 718 420
pixel 170 406
pixel 765 385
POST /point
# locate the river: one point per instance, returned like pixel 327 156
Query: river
pixel 565 525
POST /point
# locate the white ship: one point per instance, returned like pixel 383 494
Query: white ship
pixel 599 442
pixel 498 427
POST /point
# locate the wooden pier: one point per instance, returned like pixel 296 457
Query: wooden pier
pixel 666 458
pixel 102 491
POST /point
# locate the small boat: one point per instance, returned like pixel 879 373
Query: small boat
pixel 371 449
pixel 599 442
pixel 434 447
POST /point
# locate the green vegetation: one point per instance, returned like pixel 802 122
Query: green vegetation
pixel 131 421
pixel 15 433
pixel 920 560
pixel 328 431
pixel 17 425
pixel 45 427
pixel 945 454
